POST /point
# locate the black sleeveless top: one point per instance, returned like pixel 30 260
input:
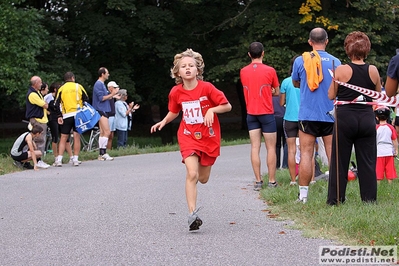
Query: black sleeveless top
pixel 360 77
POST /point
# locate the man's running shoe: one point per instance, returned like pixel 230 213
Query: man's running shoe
pixel 303 200
pixel 42 164
pixel 105 157
pixel 71 161
pixel 258 186
pixel 194 222
pixel 57 163
pixel 272 184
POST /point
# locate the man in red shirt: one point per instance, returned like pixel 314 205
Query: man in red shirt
pixel 260 83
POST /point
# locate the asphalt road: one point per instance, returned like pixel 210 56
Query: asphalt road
pixel 132 211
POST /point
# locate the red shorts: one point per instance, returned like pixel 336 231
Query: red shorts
pixel 385 165
pixel 203 158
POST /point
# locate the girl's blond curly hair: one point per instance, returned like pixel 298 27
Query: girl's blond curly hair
pixel 199 62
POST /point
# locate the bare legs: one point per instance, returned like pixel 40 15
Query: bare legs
pixel 270 141
pixel 195 172
pixel 291 157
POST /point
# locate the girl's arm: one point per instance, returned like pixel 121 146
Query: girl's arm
pixel 168 118
pixel 223 108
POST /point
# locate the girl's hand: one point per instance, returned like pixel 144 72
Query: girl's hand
pixel 208 119
pixel 158 126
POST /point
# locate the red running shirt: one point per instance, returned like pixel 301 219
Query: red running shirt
pixel 258 80
pixel 192 133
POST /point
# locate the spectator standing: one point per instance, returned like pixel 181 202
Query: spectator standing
pixel 69 96
pixel 36 113
pixel 279 111
pixel 44 89
pixel 111 115
pixel 260 82
pixel 53 123
pixel 101 103
pixel 24 149
pixel 387 146
pixel 355 123
pixel 290 97
pixel 123 117
pixel 310 74
pixel 391 84
pixel 199 131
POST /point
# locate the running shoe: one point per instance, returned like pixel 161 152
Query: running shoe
pixel 272 184
pixel 303 200
pixel 258 185
pixel 57 164
pixel 42 164
pixel 71 161
pixel 28 166
pixel 194 222
pixel 105 157
pixel 18 164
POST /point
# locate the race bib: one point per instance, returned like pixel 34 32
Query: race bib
pixel 192 113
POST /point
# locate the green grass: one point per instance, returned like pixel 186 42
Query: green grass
pixel 351 223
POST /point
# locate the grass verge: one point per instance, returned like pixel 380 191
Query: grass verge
pixel 351 223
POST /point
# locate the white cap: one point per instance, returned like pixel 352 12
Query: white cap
pixel 112 84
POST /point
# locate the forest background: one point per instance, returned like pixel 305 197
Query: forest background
pixel 137 40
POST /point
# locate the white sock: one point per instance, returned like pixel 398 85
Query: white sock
pixel 75 158
pixel 303 192
pixel 102 142
pixel 59 158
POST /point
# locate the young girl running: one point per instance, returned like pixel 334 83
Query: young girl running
pixel 199 132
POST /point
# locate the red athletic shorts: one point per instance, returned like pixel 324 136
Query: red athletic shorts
pixel 385 165
pixel 203 158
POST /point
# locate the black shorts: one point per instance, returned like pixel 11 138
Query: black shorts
pixel 105 114
pixel 21 157
pixel 54 129
pixel 290 129
pixel 266 122
pixel 68 125
pixel 316 128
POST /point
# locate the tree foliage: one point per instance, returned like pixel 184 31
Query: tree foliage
pixel 137 39
pixel 22 40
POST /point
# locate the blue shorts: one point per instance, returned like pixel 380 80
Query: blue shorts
pixel 111 122
pixel 265 122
